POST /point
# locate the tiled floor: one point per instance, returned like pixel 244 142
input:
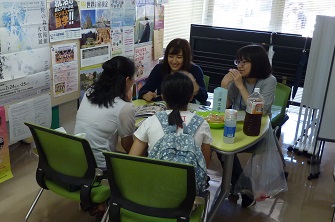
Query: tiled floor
pixel 305 201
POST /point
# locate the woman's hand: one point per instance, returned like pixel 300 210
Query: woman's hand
pixel 232 75
pixel 149 96
pixel 237 77
pixel 226 80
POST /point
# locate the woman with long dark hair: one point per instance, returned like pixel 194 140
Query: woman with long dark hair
pixel 106 111
pixel 177 57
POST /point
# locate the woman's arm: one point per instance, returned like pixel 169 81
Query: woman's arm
pixel 267 90
pixel 201 95
pixel 237 77
pixel 139 148
pixel 126 125
pixel 152 84
pixel 206 151
pixel 127 142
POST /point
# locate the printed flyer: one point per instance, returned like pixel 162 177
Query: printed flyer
pixel 143 60
pixel 64 20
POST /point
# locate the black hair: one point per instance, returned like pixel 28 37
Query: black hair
pixel 260 64
pixel 112 81
pixel 174 47
pixel 177 91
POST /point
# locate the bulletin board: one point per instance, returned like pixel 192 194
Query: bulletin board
pixel 57 47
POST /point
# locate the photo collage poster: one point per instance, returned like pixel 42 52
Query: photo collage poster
pixel 65 68
pixel 95 32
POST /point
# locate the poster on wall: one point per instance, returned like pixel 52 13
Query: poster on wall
pixel 22 13
pixel 117 9
pixel 65 69
pixel 88 76
pixel 95 23
pixel 143 60
pixel 20 38
pixel 162 1
pixel 64 20
pixel 21 64
pixel 95 55
pixel 25 87
pixel 117 41
pixel 159 16
pixel 128 41
pixel 150 9
pixel 5 169
pixel 158 43
pixel 129 13
pixel 36 110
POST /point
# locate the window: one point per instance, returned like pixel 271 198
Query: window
pixel 287 16
pixel 178 17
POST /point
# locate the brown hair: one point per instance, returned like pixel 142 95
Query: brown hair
pixel 173 48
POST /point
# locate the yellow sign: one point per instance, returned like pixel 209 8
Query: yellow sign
pixel 5 170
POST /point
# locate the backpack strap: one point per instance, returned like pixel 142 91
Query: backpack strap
pixel 163 119
pixel 191 128
pixel 194 124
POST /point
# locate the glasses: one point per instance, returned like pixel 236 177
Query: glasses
pixel 239 62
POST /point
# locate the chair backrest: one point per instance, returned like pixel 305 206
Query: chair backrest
pixel 206 80
pixel 63 158
pixel 144 189
pixel 282 95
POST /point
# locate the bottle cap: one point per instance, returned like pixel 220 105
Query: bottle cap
pixel 257 90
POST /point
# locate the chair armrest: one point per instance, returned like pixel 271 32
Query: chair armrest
pixel 199 200
pixel 104 182
pixel 202 198
pixel 98 172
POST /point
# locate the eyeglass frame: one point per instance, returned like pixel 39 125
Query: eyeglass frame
pixel 237 62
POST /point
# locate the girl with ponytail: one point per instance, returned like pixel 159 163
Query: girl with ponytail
pixel 177 92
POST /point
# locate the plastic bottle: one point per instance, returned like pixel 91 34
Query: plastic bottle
pixel 229 126
pixel 254 112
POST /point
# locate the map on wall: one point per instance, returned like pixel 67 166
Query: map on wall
pixel 22 12
pixel 21 64
pixel 20 38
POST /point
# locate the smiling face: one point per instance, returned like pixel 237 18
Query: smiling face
pixel 175 61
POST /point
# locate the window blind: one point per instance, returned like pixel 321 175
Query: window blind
pixel 178 17
pixel 287 16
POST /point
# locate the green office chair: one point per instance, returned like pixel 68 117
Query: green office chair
pixel 278 109
pixel 66 167
pixel 149 190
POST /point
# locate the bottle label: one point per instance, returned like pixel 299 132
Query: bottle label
pixel 229 131
pixel 255 107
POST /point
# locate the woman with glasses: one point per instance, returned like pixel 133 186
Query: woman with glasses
pixel 253 71
pixel 177 57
